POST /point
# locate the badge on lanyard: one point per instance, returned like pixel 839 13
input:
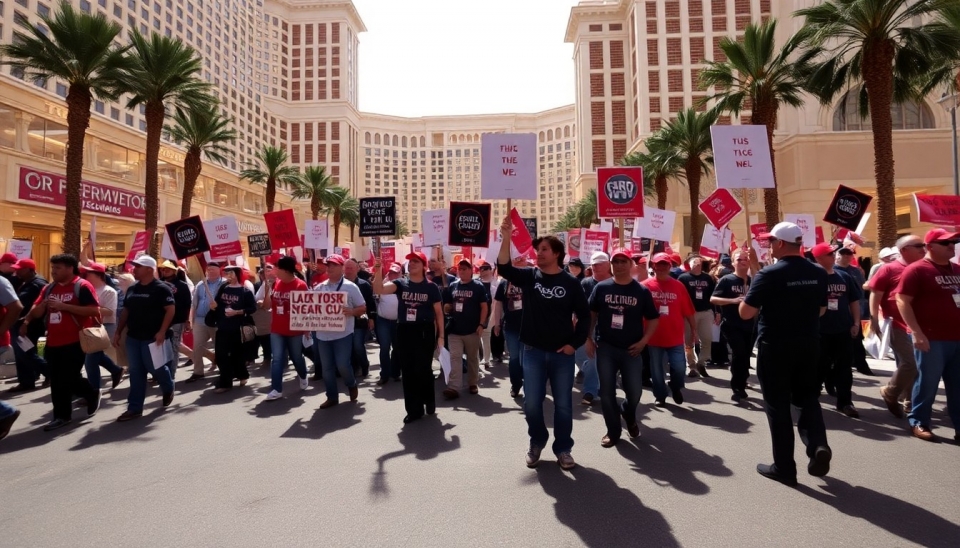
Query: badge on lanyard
pixel 664 310
pixel 458 307
pixel 616 321
pixel 956 299
pixel 55 318
pixel 411 314
pixel 280 310
pixel 516 304
pixel 833 304
pixel 699 294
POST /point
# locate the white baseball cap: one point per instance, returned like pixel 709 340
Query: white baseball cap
pixel 145 260
pixel 786 232
pixel 888 252
pixel 599 257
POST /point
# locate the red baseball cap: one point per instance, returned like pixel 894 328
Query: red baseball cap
pixel 661 258
pixel 823 248
pixel 92 267
pixel 25 263
pixel 8 258
pixel 335 259
pixel 935 235
pixel 675 259
pixel 621 252
pixel 395 267
pixel 417 256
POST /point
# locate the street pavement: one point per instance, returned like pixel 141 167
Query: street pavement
pixel 234 469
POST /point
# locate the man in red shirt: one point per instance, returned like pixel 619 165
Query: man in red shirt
pixel 284 341
pixel 69 304
pixel 883 298
pixel 929 301
pixel 666 346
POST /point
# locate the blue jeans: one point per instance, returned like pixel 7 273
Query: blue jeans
pixel 512 339
pixel 336 356
pixel 360 349
pixel 6 410
pixel 282 347
pixel 610 361
pixel 660 357
pixel 93 362
pixel 591 379
pixel 539 366
pixel 942 360
pixel 138 354
pixel 386 332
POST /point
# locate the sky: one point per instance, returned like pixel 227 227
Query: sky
pixel 447 57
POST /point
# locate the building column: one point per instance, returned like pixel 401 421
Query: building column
pixel 23 127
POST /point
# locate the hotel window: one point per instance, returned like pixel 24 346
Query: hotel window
pixel 225 195
pixel 48 139
pixel 170 176
pixel 118 161
pixel 253 202
pixel 908 115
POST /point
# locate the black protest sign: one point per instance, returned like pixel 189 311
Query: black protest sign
pixel 469 224
pixel 259 245
pixel 187 237
pixel 531 223
pixel 378 216
pixel 847 208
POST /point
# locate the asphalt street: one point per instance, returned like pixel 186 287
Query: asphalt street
pixel 236 470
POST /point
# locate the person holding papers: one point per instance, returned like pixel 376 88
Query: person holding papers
pixel 148 309
pixel 335 348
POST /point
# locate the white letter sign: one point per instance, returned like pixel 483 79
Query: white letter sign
pixel 508 166
pixel 741 155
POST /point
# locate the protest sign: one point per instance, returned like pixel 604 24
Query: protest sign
pixel 819 235
pixel 166 248
pixel 847 208
pixel 508 166
pixel 762 247
pixel 223 236
pixel 21 248
pixel 318 310
pixel 593 241
pixel 938 209
pixel 619 192
pixel 259 245
pixel 388 256
pixel 807 225
pixel 531 224
pixel 378 216
pixel 714 242
pixel 435 227
pixel 656 224
pixel 720 207
pixel 316 234
pixel 187 237
pixel 282 227
pixel 469 224
pixel 521 236
pixel 741 156
pixel 141 242
pixel 573 242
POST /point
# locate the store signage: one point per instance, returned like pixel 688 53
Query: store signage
pixel 51 189
pixel 250 228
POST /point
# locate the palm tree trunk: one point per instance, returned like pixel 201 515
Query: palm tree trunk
pixel 660 183
pixel 336 228
pixel 878 78
pixel 315 207
pixel 693 170
pixel 271 194
pixel 191 172
pixel 78 119
pixel 765 114
pixel 154 116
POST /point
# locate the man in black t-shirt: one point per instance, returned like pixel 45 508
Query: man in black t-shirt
pixel 790 296
pixel 700 286
pixel 148 310
pixel 738 332
pixel 620 307
pixel 169 273
pixel 839 326
pixel 467 304
pixel 509 307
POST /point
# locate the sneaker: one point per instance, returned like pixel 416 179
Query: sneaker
pixel 850 411
pixel 274 395
pixel 565 460
pixel 587 399
pixel 677 395
pixel 304 383
pixel 533 456
pixel 923 432
pixel 129 416
pixel 55 424
pixel 94 406
pixel 819 465
pixel 7 423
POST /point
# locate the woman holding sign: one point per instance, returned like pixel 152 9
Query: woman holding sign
pixel 419 333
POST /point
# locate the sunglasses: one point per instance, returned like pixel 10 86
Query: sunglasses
pixel 947 242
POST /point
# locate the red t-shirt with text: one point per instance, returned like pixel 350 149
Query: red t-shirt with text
pixel 61 327
pixel 673 302
pixel 887 280
pixel 936 298
pixel 280 309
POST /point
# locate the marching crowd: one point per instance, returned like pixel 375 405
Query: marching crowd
pixel 625 320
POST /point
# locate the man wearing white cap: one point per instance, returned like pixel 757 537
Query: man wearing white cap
pixel 600 264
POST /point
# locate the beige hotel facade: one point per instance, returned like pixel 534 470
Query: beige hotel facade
pixel 287 72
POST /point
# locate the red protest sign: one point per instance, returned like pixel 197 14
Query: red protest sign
pixel 521 236
pixel 282 227
pixel 720 207
pixel 388 256
pixel 938 210
pixel 573 243
pixel 819 233
pixel 141 241
pixel 596 236
pixel 619 192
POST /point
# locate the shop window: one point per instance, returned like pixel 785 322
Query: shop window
pixel 225 195
pixel 170 177
pixel 8 127
pixel 118 161
pixel 202 189
pixel 253 202
pixel 48 139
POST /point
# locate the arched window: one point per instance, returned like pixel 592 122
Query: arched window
pixel 404 141
pixel 394 142
pixel 909 115
pixel 376 138
pixel 453 139
pixel 366 138
pixel 566 131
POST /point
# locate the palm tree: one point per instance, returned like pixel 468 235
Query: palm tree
pixel 344 208
pixel 875 45
pixel 270 170
pixel 315 185
pixel 948 71
pixel 637 159
pixel 758 77
pixel 163 72
pixel 689 143
pixel 80 50
pixel 203 130
pixel 402 230
pixel 658 167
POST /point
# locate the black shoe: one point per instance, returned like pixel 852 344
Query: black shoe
pixel 737 396
pixel 579 378
pixel 647 383
pixel 188 363
pixel 820 462
pixel 94 406
pixel 587 399
pixel 410 418
pixel 7 423
pixel 865 370
pixel 431 410
pixel 677 395
pixel 316 378
pixel 55 424
pixel 193 378
pixel 21 388
pixel 167 398
pixel 661 403
pixel 382 381
pixel 514 392
pixel 116 378
pixel 770 471
pixel 831 391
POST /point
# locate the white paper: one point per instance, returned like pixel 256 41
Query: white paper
pixel 445 363
pixel 807 225
pixel 714 242
pixel 316 234
pixel 715 332
pixel 508 166
pixel 877 347
pixel 434 223
pixel 863 224
pixel 656 224
pixel 159 354
pixel 166 249
pixel 741 156
pixel 24 343
pixel 21 248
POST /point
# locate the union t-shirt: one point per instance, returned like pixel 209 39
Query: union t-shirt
pixel 63 328
pixel 700 288
pixel 621 310
pixel 146 307
pixel 936 298
pixel 841 291
pixel 732 286
pixel 416 300
pixel 280 306
pixel 887 280
pixel 674 305
pixel 466 299
pixel 789 295
pixel 511 299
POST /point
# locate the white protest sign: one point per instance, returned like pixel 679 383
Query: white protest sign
pixel 166 249
pixel 318 311
pixel 434 223
pixel 589 247
pixel 656 224
pixel 741 156
pixel 508 166
pixel 606 226
pixel 224 237
pixel 492 252
pixel 21 248
pixel 807 224
pixel 714 241
pixel 316 234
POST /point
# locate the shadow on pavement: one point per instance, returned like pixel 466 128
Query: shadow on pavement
pixel 326 421
pixel 601 512
pixel 911 523
pixel 698 415
pixel 670 461
pixel 425 439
